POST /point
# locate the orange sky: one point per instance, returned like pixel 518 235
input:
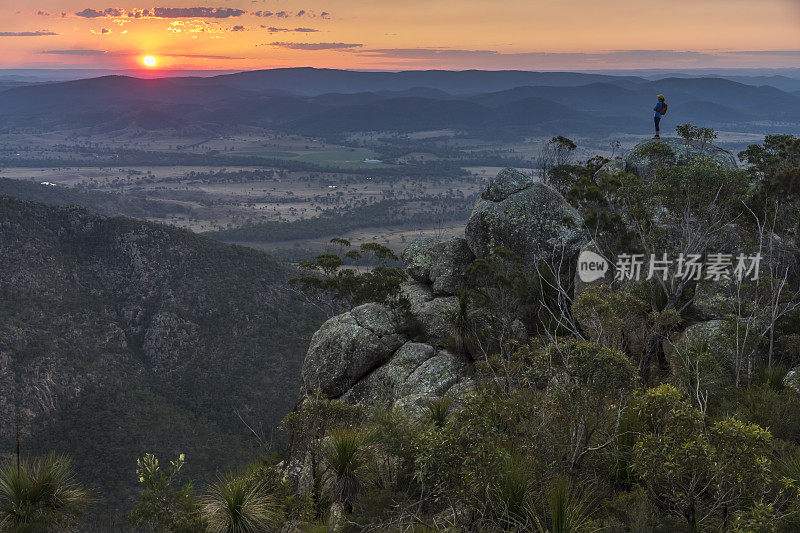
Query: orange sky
pixel 407 34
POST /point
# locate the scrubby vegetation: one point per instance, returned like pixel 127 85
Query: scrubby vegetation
pixel 428 210
pixel 659 404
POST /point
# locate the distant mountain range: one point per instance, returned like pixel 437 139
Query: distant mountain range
pixel 324 102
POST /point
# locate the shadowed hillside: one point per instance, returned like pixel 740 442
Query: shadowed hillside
pixel 119 337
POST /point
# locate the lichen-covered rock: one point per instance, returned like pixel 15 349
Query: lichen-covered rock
pixel 382 386
pixel 792 379
pixel 710 335
pixel 436 316
pixel 428 260
pixel 349 346
pixel 615 166
pixel 527 217
pixel 435 375
pixel 448 285
pixel 507 182
pixel 459 392
pixel 418 257
pixel 453 256
pixel 648 155
pixel 417 293
pixel 415 405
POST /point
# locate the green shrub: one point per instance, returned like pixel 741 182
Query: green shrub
pixel 162 505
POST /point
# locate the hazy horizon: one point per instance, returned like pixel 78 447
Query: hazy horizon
pixel 71 73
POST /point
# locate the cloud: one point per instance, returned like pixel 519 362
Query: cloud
pixel 197 12
pixel 286 14
pixel 39 33
pixel 273 29
pixel 90 13
pixel 195 26
pixel 238 28
pixel 77 52
pixel 106 53
pixel 43 13
pixel 164 12
pixel 424 53
pixel 316 46
pixel 199 56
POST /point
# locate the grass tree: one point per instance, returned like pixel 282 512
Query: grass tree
pixel 346 459
pixel 40 494
pixel 570 510
pixel 241 505
pixel 511 493
pixel 439 410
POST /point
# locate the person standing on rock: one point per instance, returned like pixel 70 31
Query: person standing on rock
pixel 661 110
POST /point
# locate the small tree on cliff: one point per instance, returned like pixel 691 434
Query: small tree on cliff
pixel 695 134
pixel 336 283
pixel 555 153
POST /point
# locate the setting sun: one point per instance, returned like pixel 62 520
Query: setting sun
pixel 149 61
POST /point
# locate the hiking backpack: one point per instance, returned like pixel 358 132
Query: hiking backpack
pixel 663 109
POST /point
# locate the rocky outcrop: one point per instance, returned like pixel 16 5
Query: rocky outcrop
pixel 527 217
pixel 365 355
pixel 349 346
pixel 646 156
pixel 710 335
pixel 792 379
pixel 435 376
pixel 379 357
pixel 368 356
pixel 442 264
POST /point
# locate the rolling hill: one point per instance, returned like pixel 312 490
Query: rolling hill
pixel 322 102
